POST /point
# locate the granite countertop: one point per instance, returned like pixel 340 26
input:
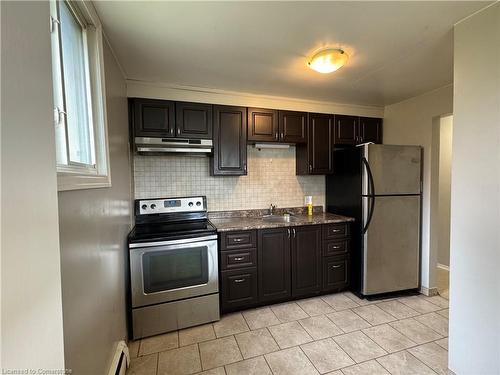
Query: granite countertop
pixel 226 221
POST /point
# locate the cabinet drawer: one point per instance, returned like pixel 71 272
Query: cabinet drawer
pixel 333 231
pixel 335 272
pixel 238 240
pixel 239 288
pixel 238 259
pixel 338 247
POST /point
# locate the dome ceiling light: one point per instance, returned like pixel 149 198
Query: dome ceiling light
pixel 328 60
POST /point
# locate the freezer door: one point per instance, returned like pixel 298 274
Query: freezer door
pixel 391 244
pixel 394 169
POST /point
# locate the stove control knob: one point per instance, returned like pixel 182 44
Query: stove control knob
pixel 153 206
pixel 190 204
pixel 144 206
pixel 198 203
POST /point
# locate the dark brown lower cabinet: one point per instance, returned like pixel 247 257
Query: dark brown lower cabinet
pixel 239 288
pixel 335 273
pixel 306 260
pixel 265 266
pixel 273 257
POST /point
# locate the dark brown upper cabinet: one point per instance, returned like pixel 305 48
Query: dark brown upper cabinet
pixel 292 126
pixel 154 118
pixel 370 130
pixel 273 257
pixel 351 130
pixel 346 130
pixel 306 260
pixel 263 125
pixel 230 141
pixel 316 157
pixel 193 120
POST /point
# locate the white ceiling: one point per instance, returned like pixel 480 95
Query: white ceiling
pixel 397 49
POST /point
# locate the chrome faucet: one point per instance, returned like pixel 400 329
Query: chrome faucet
pixel 272 207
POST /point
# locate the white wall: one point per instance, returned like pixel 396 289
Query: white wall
pixel 410 123
pixel 32 329
pixel 444 199
pixel 474 346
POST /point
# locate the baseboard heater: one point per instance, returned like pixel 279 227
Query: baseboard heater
pixel 121 360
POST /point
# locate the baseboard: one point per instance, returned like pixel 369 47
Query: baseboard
pixel 429 292
pixel 121 359
pixel 443 267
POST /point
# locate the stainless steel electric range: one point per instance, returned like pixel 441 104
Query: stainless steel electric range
pixel 173 266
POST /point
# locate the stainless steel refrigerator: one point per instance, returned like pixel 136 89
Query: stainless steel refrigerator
pixel 381 187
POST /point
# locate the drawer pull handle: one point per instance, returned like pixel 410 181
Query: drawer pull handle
pixel 336 266
pixel 239 280
pixel 336 230
pixel 238 258
pixel 237 239
pixel 336 247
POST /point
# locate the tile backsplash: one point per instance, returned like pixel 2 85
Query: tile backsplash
pixel 271 179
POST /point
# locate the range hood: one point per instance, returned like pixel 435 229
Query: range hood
pixel 165 145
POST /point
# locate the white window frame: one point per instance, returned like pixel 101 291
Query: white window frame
pixel 71 175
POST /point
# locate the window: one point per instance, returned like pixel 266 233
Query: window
pixel 79 98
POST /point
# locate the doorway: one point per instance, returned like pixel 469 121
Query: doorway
pixel 441 200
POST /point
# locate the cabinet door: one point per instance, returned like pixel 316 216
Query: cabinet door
pixel 238 288
pixel 230 141
pixel 335 273
pixel 320 143
pixel 370 130
pixel 273 257
pixel 263 125
pixel 293 126
pixel 154 118
pixel 306 260
pixel 346 130
pixel 194 120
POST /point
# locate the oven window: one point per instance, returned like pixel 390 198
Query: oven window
pixel 172 269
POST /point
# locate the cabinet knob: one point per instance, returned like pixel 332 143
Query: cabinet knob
pixel 336 266
pixel 239 280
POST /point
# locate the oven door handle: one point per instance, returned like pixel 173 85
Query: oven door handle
pixel 142 245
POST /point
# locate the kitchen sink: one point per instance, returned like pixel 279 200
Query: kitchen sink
pixel 279 218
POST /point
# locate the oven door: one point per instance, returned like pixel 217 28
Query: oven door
pixel 173 270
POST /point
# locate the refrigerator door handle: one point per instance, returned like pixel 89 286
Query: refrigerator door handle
pixel 370 213
pixel 371 184
pixel 371 194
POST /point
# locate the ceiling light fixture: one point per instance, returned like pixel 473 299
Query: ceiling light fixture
pixel 328 60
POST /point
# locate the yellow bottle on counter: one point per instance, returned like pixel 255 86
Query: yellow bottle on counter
pixel 308 200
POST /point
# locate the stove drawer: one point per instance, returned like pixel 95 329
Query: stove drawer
pixel 235 259
pixel 238 240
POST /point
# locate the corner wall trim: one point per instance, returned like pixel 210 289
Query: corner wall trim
pixel 157 90
pixel 429 292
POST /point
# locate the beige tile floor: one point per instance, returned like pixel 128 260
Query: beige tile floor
pixel 336 334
